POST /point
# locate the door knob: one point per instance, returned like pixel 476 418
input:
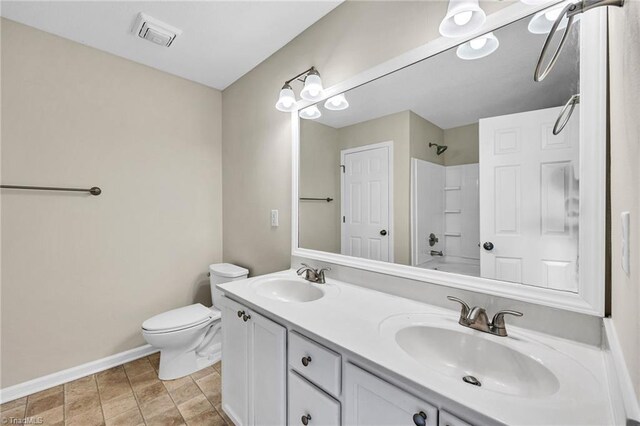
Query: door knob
pixel 383 232
pixel 420 419
pixel 488 246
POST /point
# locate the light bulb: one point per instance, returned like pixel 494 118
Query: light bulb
pixel 310 113
pixel 462 18
pixel 478 43
pixel 286 100
pixel 337 103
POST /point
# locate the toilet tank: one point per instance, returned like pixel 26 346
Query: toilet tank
pixel 222 273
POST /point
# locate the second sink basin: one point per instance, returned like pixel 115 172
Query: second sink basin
pixel 287 290
pixel 457 354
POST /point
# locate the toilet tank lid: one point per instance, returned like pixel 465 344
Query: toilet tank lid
pixel 184 317
pixel 227 270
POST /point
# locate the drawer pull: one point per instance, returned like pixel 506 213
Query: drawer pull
pixel 420 419
pixel 306 419
pixel 306 361
pixel 246 317
pixel 240 314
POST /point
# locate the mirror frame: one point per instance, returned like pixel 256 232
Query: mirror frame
pixel 590 298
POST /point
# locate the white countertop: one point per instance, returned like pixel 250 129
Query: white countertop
pixel 361 321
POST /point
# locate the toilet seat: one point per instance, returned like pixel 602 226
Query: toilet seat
pixel 180 319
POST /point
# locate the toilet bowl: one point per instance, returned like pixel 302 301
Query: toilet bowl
pixel 189 338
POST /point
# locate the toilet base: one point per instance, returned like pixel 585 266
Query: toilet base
pixel 175 364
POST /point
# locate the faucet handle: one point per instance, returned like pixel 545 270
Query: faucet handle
pixel 464 307
pixel 304 267
pixel 498 318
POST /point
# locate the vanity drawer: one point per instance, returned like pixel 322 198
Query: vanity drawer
pixel 447 419
pixel 322 365
pixel 305 400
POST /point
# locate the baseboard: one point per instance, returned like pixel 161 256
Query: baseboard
pixel 64 376
pixel 624 400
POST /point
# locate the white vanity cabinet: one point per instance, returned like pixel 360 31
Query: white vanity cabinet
pixel 370 400
pixel 254 368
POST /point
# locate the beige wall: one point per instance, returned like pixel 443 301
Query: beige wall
pixel 424 132
pixel 81 273
pixel 319 223
pixel 625 176
pixel 464 145
pixel 257 138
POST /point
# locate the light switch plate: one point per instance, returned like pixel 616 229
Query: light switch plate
pixel 625 222
pixel 274 218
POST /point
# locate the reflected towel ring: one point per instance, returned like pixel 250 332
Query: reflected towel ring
pixel 565 114
pixel 571 10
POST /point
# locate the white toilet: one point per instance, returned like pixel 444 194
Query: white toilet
pixel 189 337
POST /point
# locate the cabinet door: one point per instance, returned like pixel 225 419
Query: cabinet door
pixel 267 372
pixel 235 380
pixel 370 401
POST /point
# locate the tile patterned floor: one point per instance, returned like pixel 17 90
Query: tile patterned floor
pixel 127 395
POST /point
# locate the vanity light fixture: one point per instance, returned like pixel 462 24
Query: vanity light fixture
pixel 312 90
pixel 310 113
pixel 463 17
pixel 542 22
pixel 479 47
pixel 337 103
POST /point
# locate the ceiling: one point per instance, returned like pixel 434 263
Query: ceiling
pixel 451 92
pixel 221 40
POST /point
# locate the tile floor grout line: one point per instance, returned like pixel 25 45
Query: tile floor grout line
pixel 104 417
pixel 172 400
pixel 144 418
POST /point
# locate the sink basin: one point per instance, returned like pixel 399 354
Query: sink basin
pixel 460 354
pixel 286 290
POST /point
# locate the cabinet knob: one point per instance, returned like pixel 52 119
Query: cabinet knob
pixel 246 317
pixel 240 314
pixel 488 246
pixel 306 360
pixel 420 419
pixel 305 419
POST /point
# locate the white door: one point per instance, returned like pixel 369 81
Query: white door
pixel 366 202
pixel 235 379
pixel 370 401
pixel 267 372
pixel 529 200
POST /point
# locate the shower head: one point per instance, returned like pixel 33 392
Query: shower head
pixel 439 148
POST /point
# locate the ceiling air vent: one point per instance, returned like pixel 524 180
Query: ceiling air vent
pixel 155 31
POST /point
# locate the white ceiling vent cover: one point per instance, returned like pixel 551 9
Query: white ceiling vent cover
pixel 154 30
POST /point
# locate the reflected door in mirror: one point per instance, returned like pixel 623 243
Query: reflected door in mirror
pixel 366 202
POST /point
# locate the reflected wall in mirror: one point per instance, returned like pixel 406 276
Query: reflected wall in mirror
pixel 451 164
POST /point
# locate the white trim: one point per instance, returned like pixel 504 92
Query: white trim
pixel 623 396
pixel 590 299
pixel 73 373
pixel 389 145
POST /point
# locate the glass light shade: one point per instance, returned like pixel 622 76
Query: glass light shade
pixel 542 21
pixel 310 113
pixel 312 90
pixel 286 100
pixel 337 103
pixel 463 17
pixel 479 47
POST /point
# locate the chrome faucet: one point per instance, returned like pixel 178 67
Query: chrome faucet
pixel 311 274
pixel 477 319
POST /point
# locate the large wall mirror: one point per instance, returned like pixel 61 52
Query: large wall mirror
pixel 450 166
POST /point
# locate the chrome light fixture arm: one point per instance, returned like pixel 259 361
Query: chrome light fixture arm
pixel 570 11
